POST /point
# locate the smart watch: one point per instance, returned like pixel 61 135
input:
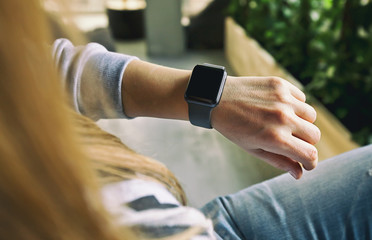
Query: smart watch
pixel 204 92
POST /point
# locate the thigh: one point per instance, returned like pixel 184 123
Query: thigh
pixel 334 201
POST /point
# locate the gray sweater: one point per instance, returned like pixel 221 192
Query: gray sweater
pixel 92 76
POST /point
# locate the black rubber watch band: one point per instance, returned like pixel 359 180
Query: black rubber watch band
pixel 203 92
pixel 200 115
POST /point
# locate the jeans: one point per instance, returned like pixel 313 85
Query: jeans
pixel 333 201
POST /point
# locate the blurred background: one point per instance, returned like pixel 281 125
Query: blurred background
pixel 322 46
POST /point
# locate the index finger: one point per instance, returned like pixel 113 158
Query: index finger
pixel 296 149
pixel 296 92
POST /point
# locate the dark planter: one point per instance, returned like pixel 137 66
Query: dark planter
pixel 126 22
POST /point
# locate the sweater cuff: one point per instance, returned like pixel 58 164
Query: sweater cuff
pixel 101 83
pixel 93 77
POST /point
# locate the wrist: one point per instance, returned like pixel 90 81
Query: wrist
pixel 218 113
pixel 204 92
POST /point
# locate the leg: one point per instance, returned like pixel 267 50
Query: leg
pixel 334 201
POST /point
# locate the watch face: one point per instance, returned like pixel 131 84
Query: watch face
pixel 205 85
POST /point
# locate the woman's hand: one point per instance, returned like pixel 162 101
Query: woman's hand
pixel 268 117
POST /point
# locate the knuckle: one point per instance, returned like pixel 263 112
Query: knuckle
pixel 318 134
pixel 279 90
pixel 312 158
pixel 281 96
pixel 276 83
pixel 280 114
pixel 275 136
pixel 314 135
pixel 282 117
pixel 302 96
pixel 312 113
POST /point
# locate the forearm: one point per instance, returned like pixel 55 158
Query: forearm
pixel 151 90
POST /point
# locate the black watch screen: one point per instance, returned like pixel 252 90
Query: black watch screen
pixel 206 84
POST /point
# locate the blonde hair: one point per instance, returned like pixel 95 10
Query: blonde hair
pixel 52 159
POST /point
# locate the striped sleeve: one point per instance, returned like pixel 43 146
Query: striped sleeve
pixel 152 211
pixel 92 76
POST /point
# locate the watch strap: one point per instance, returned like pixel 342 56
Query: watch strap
pixel 200 115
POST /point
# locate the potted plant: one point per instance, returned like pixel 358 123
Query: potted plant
pixel 326 45
pixel 126 18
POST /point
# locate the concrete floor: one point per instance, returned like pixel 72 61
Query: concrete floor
pixel 207 164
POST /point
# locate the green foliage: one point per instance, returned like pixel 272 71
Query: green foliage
pixel 326 44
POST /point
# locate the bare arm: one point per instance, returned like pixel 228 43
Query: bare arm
pixel 150 90
pixel 266 116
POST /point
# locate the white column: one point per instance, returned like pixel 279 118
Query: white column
pixel 164 33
